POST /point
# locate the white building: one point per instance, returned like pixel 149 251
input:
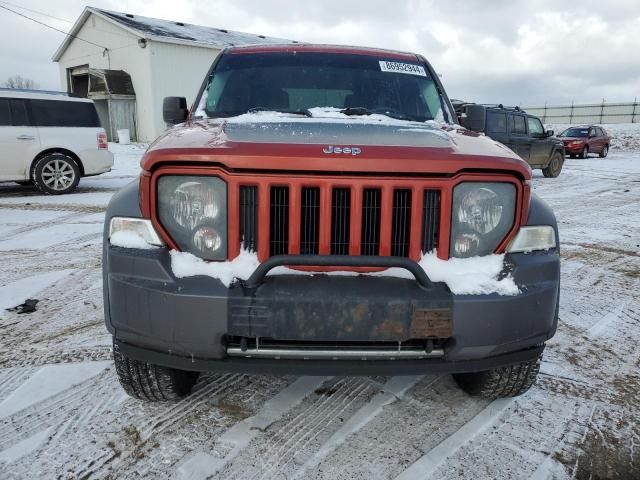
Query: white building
pixel 127 64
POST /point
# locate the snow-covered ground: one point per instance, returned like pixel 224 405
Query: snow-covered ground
pixel 63 414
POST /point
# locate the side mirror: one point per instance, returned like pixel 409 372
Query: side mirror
pixel 474 118
pixel 550 133
pixel 174 110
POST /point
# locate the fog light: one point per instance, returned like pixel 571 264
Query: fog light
pixel 207 240
pixel 466 245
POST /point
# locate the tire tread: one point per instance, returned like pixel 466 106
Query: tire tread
pixel 149 382
pixel 509 381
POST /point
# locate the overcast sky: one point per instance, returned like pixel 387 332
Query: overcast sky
pixel 503 51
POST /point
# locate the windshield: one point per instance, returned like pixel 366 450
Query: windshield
pixel 296 82
pixel 575 132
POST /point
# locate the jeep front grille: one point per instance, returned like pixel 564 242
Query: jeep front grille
pixel 401 223
pixel 340 221
pixel 279 236
pixel 310 221
pixel 370 236
pixel 430 220
pixel 333 218
pixel 249 217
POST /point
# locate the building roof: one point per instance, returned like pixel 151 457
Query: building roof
pixel 168 31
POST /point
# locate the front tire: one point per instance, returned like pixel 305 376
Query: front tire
pixel 509 381
pixel 55 174
pixel 584 153
pixel 605 151
pixel 553 169
pixel 152 383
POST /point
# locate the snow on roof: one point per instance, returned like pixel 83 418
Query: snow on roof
pixel 169 31
pixel 155 27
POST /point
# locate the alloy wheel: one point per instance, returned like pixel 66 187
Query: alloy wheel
pixel 58 174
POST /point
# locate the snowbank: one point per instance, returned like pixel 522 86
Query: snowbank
pixel 464 276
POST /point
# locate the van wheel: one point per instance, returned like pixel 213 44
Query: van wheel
pixel 605 151
pixel 555 166
pixel 502 382
pixel 152 383
pixel 55 174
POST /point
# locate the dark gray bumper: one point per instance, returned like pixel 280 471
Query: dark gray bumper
pixel 190 318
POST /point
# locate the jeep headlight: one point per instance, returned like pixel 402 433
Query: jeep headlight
pixel 193 210
pixel 482 215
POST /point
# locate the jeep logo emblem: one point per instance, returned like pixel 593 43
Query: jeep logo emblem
pixel 344 150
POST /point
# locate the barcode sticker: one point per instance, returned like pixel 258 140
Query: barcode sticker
pixel 408 68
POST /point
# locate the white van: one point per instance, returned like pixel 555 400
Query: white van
pixel 50 140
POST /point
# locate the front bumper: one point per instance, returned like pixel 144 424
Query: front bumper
pixel 573 149
pixel 185 323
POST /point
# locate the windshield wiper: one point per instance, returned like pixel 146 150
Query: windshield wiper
pixel 306 113
pixel 358 111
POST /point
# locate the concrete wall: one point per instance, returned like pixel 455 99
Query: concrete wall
pixel 602 113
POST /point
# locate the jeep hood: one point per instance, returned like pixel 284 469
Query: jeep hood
pixel 382 145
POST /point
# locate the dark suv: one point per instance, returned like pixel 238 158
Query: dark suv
pixel 583 140
pixel 518 130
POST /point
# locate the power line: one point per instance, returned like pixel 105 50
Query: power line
pixel 51 27
pixel 36 11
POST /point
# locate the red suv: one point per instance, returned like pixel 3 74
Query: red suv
pixel 581 141
pixel 346 166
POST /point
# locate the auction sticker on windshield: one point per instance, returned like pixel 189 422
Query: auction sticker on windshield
pixel 408 68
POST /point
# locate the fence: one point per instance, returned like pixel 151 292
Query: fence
pixel 588 113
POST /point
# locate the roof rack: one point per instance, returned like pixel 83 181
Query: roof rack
pixel 503 107
pixel 459 106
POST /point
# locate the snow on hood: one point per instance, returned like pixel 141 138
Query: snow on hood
pixel 329 126
pixel 463 276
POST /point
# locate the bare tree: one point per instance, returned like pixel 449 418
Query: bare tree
pixel 17 81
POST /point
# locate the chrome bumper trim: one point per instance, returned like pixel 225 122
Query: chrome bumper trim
pixel 278 353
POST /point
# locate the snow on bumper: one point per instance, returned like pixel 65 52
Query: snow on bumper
pixel 463 276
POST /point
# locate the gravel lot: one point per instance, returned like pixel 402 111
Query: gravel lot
pixel 63 414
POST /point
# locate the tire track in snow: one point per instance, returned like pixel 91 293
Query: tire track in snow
pixel 51 412
pixel 391 391
pixel 425 466
pixel 35 226
pixel 234 441
pixel 315 424
pixel 168 415
pixel 12 378
pixel 212 386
